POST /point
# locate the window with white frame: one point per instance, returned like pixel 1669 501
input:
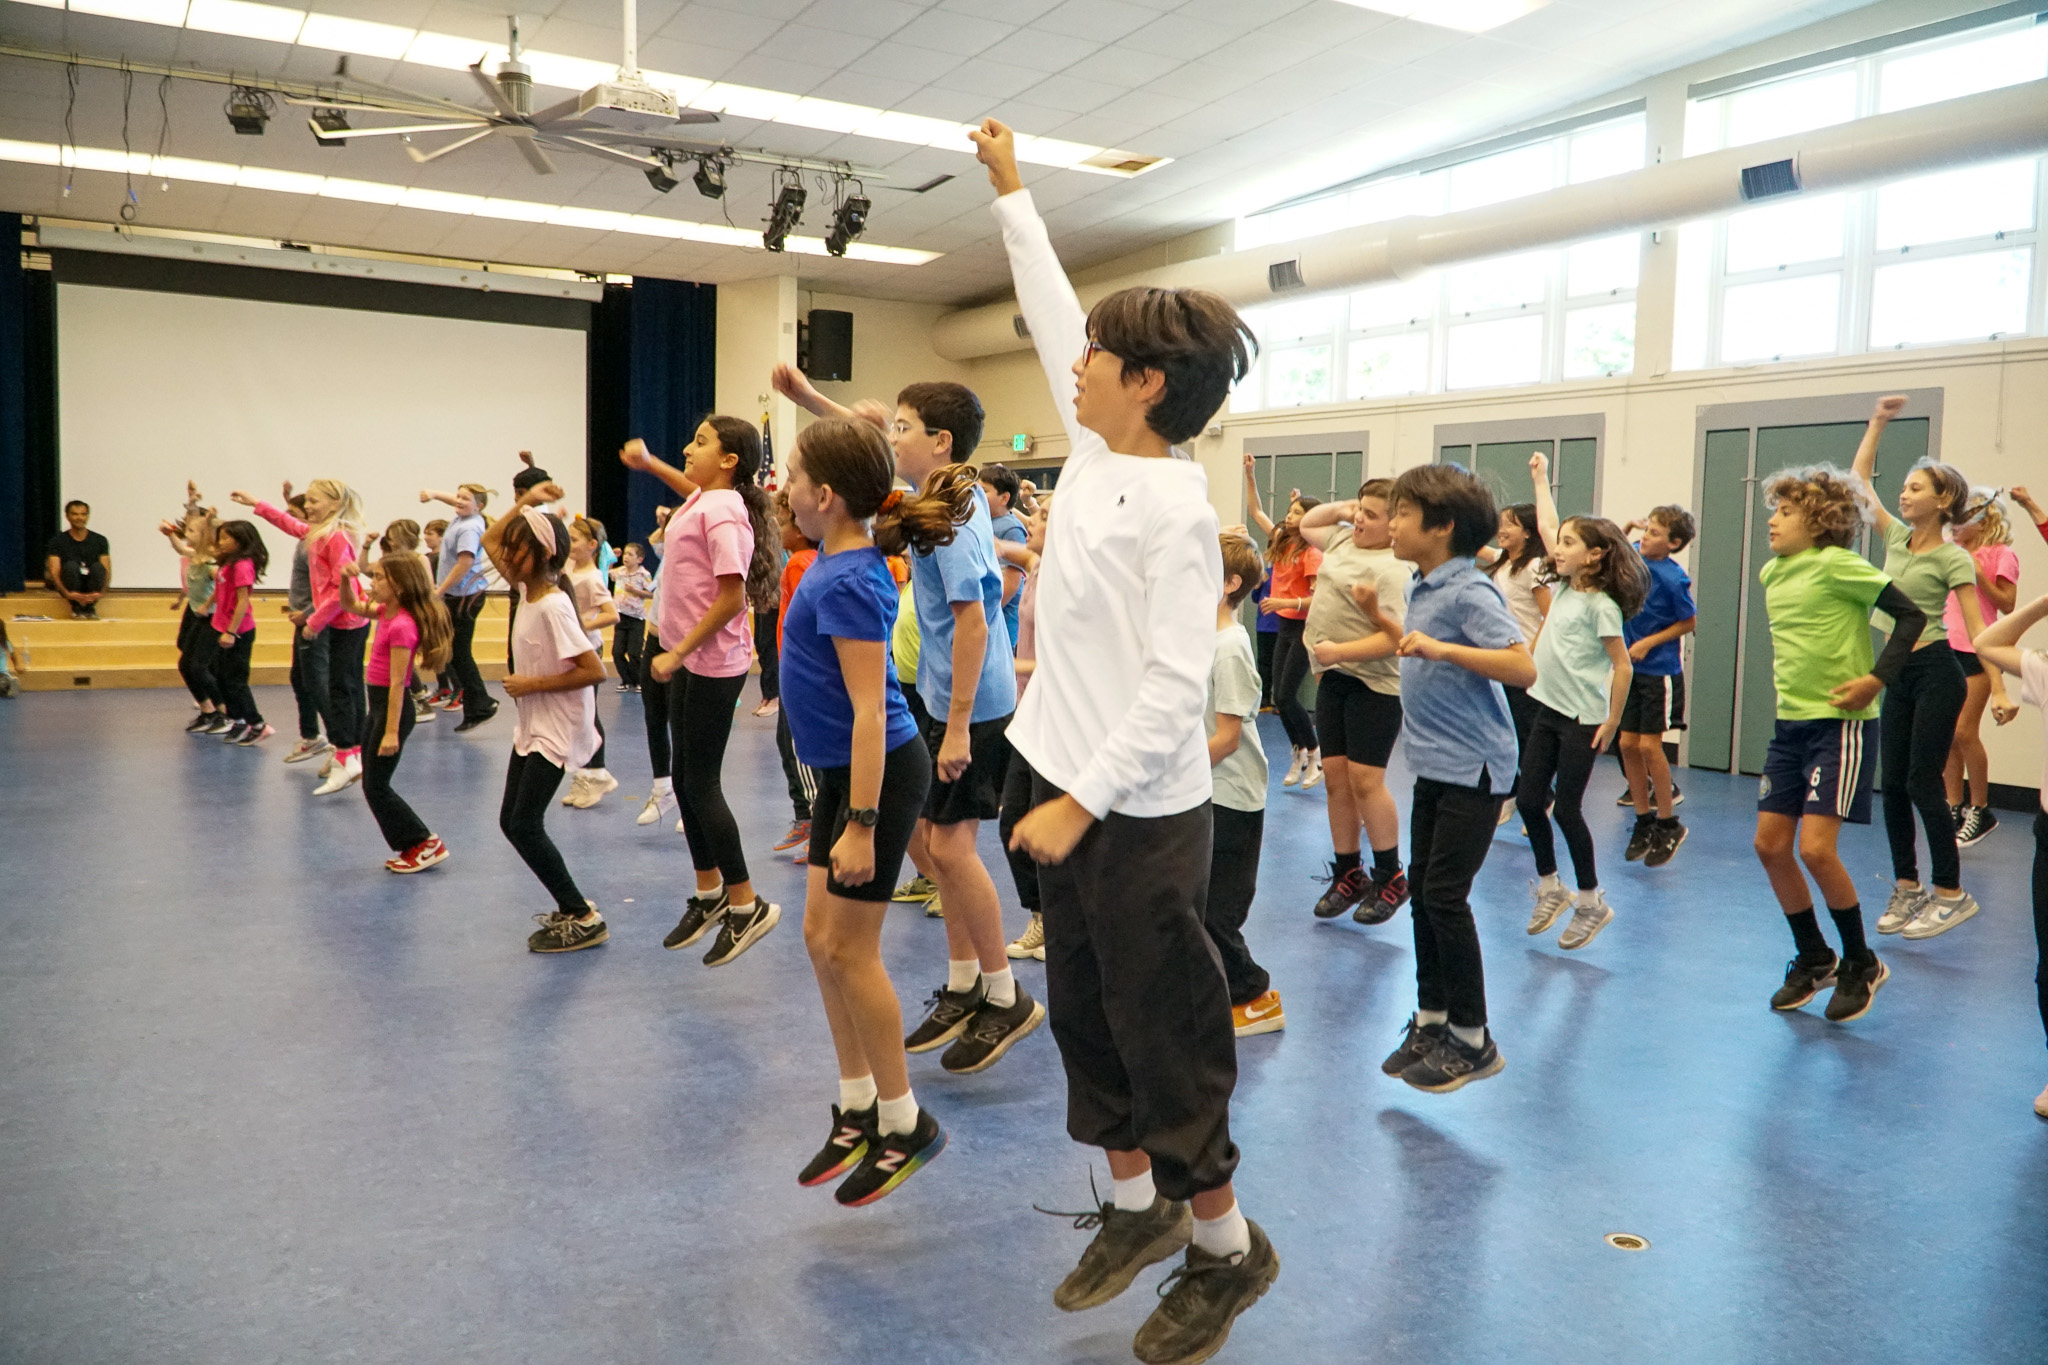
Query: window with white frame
pixel 1934 260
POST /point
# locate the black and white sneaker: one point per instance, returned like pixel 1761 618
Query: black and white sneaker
pixel 993 1031
pixel 1803 981
pixel 947 1014
pixel 1978 821
pixel 1347 888
pixel 472 722
pixel 1416 1040
pixel 700 914
pixel 1639 838
pixel 200 721
pixel 1856 985
pixel 738 931
pixel 1125 1243
pixel 1200 1301
pixel 562 932
pixel 1451 1064
pixel 1677 796
pixel 891 1159
pixel 1664 842
pixel 232 732
pixel 851 1133
pixel 218 724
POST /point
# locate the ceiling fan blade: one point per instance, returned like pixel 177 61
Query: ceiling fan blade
pixel 611 153
pixel 343 134
pixel 556 112
pixel 535 157
pixel 424 157
pixel 613 137
pixel 491 91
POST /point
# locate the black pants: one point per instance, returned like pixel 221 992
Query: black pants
pixel 468 679
pixel 700 720
pixel 401 828
pixel 597 759
pixel 654 710
pixel 768 650
pixel 803 783
pixel 530 785
pixel 1560 750
pixel 231 672
pixel 198 642
pixel 1290 669
pixel 1523 712
pixel 309 680
pixel 78 576
pixel 627 637
pixel 2041 912
pixel 345 701
pixel 1017 781
pixel 1450 830
pixel 1266 640
pixel 1915 727
pixel 1233 880
pixel 1136 994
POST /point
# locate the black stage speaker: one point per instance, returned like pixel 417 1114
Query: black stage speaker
pixel 830 352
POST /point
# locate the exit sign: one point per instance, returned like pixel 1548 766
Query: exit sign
pixel 1020 444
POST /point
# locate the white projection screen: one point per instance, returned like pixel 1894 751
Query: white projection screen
pixel 154 388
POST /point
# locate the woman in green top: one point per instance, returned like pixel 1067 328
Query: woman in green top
pixel 1922 704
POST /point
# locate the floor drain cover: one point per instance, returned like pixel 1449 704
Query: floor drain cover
pixel 1627 1241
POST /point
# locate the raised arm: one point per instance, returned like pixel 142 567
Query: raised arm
pixel 494 535
pixel 1865 462
pixel 1252 506
pixel 1546 507
pixel 276 516
pixel 794 385
pixel 1999 645
pixel 436 495
pixel 634 455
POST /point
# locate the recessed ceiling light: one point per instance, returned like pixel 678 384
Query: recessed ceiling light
pixel 357 36
pixel 170 12
pixel 240 19
pixel 1467 16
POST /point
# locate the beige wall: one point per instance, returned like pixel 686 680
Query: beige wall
pixel 756 329
pixel 891 347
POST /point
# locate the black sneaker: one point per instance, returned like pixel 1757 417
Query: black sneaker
pixel 1978 821
pixel 992 1032
pixel 738 932
pixel 1856 985
pixel 700 914
pixel 1416 1040
pixel 232 732
pixel 564 933
pixel 1124 1244
pixel 218 724
pixel 947 1014
pixel 1803 981
pixel 200 721
pixel 471 722
pixel 1347 888
pixel 1677 796
pixel 1199 1302
pixel 1664 842
pixel 1640 838
pixel 851 1133
pixel 891 1159
pixel 1388 895
pixel 1450 1064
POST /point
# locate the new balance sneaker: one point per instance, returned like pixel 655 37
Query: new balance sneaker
pixel 1664 842
pixel 947 1014
pixel 1899 911
pixel 1451 1064
pixel 891 1159
pixel 1030 943
pixel 739 931
pixel 1856 985
pixel 1416 1040
pixel 1199 1302
pixel 700 914
pixel 1388 895
pixel 420 856
pixel 1938 915
pixel 799 833
pixel 307 748
pixel 993 1031
pixel 253 735
pixel 1803 981
pixel 1124 1243
pixel 1550 904
pixel 1260 1015
pixel 842 1151
pixel 1347 888
pixel 561 932
pixel 1587 922
pixel 1640 837
pixel 1978 821
pixel 918 888
pixel 659 802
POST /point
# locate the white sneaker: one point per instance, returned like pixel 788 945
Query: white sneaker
pixel 305 749
pixel 1549 905
pixel 341 775
pixel 593 783
pixel 659 800
pixel 1294 768
pixel 1906 903
pixel 1587 922
pixel 1938 915
pixel 1313 773
pixel 1030 943
pixel 327 764
pixel 577 780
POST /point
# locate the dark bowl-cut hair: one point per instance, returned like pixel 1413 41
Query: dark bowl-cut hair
pixel 1446 495
pixel 1004 480
pixel 946 406
pixel 75 502
pixel 1191 336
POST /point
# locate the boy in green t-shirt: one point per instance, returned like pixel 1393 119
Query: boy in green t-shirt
pixel 1819 594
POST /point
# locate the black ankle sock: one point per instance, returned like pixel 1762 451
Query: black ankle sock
pixel 1346 862
pixel 1669 822
pixel 1806 934
pixel 1386 862
pixel 1849 924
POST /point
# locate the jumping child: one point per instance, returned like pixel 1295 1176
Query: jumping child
pixel 1294 563
pixel 594 611
pixel 632 590
pixel 239 558
pixel 1237 767
pixel 800 553
pixel 411 625
pixel 1983 531
pixel 1524 578
pixel 194 540
pixel 1656 695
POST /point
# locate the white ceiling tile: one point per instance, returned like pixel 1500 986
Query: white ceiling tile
pixel 740 29
pixel 1003 11
pixel 1125 65
pixel 903 61
pixel 687 58
pixel 963 35
pixel 1040 51
pixel 1102 21
pixel 989 79
pixel 864 86
pixel 769 72
pixel 1072 94
pixel 965 105
pixel 806 42
pixel 871 18
pixel 1242 17
pixel 1175 36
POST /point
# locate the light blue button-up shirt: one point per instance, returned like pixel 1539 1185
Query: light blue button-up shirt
pixel 1454 723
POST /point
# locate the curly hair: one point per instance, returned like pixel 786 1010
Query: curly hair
pixel 1829 497
pixel 1621 573
pixel 932 516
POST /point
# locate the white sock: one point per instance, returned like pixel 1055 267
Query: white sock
pixel 741 909
pixel 1424 1018
pixel 1553 882
pixel 1225 1236
pixel 1470 1037
pixel 598 772
pixel 961 976
pixel 711 895
pixel 898 1115
pixel 1944 896
pixel 1589 898
pixel 1136 1194
pixel 664 785
pixel 1002 987
pixel 856 1093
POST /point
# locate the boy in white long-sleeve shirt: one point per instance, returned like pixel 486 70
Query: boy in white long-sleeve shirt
pixel 1113 729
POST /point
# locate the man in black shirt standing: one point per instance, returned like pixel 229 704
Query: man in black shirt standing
pixel 80 565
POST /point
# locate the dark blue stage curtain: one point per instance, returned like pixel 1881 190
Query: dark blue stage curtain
pixel 652 374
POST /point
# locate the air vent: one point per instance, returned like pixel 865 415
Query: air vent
pixel 1282 276
pixel 1017 321
pixel 1122 163
pixel 1770 180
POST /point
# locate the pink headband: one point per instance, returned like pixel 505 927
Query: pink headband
pixel 543 528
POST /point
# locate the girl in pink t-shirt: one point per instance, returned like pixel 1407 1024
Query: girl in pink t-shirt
pixel 240 558
pixel 720 550
pixel 1982 530
pixel 412 629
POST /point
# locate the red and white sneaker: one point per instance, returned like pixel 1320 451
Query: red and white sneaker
pixel 420 856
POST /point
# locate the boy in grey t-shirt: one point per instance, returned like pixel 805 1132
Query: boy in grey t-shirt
pixel 1238 768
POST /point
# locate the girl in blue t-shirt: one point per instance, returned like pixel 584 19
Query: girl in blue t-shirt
pixel 850 725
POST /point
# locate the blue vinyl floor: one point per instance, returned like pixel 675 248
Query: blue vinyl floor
pixel 262 1101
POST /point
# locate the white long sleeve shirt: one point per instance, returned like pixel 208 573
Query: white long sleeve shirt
pixel 1127 589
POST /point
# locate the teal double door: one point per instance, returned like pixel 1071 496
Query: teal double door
pixel 1504 468
pixel 1327 477
pixel 1733 702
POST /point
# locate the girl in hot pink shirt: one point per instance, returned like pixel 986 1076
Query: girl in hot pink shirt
pixel 412 629
pixel 240 558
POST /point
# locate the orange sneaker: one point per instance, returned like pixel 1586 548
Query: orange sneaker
pixel 1262 1015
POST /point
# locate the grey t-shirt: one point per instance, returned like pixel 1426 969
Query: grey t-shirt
pixel 299 596
pixel 1333 612
pixel 1234 691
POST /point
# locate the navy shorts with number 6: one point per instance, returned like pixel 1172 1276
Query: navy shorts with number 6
pixel 1820 767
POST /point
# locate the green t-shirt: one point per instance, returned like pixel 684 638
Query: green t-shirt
pixel 1819 603
pixel 1573 670
pixel 1927 577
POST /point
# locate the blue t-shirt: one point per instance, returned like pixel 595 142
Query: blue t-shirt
pixel 464 535
pixel 1669 602
pixel 1455 723
pixel 1269 621
pixel 965 571
pixel 1007 527
pixel 851 596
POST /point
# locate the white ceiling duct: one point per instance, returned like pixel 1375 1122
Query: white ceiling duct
pixel 1991 126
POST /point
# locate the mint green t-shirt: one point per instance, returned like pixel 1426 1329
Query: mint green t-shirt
pixel 1572 667
pixel 1927 577
pixel 1819 603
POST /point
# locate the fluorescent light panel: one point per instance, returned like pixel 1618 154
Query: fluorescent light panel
pixel 116 162
pixel 1466 16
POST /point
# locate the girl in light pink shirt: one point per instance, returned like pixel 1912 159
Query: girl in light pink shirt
pixel 1982 530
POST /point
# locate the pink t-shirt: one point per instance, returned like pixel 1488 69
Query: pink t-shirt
pixel 1994 563
pixel 711 535
pixel 1027 629
pixel 233 578
pixel 546 640
pixel 2034 692
pixel 395 630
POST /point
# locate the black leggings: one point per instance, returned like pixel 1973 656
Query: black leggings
pixel 2041 912
pixel 530 785
pixel 1290 668
pixel 654 710
pixel 802 781
pixel 345 702
pixel 198 642
pixel 1017 781
pixel 1559 747
pixel 1233 880
pixel 1524 713
pixel 401 828
pixel 1916 726
pixel 462 672
pixel 700 718
pixel 767 648
pixel 627 637
pixel 231 672
pixel 309 680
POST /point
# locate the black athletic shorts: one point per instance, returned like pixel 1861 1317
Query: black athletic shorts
pixel 1354 722
pixel 1971 664
pixel 906 775
pixel 1656 703
pixel 978 795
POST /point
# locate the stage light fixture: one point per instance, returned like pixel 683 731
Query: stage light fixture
pixel 662 177
pixel 325 123
pixel 848 222
pixel 784 214
pixel 248 110
pixel 710 178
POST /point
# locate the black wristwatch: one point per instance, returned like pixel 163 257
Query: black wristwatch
pixel 867 816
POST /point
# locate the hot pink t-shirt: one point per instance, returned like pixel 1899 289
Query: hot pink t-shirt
pixel 233 578
pixel 711 535
pixel 1994 563
pixel 395 630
